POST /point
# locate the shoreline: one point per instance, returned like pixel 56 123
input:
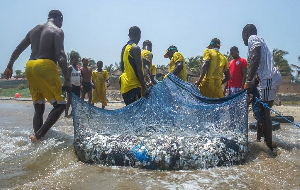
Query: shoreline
pixel 116 104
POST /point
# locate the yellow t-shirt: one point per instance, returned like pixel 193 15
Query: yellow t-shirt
pixel 153 69
pixel 217 65
pixel 178 57
pixel 146 54
pixel 99 78
pixel 99 93
pixel 128 78
pixel 211 85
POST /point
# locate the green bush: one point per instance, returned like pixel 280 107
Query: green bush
pixel 21 86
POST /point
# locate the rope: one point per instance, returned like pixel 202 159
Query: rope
pixel 266 106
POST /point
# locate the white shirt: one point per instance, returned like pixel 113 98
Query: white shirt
pixel 266 69
pixel 75 76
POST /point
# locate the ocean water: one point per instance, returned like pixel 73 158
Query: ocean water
pixel 52 164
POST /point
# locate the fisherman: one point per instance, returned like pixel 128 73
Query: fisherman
pixel 215 64
pixel 177 63
pixel 265 76
pixel 132 79
pixel 238 72
pixel 86 84
pixel 47 49
pixel 75 77
pixel 100 81
pixel 147 57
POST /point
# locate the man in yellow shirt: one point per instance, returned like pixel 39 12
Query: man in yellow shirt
pixel 215 64
pixel 177 63
pixel 99 78
pixel 147 57
pixel 132 79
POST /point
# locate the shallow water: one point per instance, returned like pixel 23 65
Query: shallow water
pixel 53 164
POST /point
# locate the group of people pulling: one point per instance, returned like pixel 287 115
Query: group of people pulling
pixel 138 73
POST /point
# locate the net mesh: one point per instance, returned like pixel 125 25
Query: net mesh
pixel 174 128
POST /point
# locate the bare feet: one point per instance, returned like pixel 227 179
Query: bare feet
pixel 33 139
pixel 68 116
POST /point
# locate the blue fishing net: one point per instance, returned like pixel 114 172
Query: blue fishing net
pixel 174 128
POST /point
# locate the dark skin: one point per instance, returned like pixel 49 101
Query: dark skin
pixel 235 55
pixel 46 43
pixel 204 70
pixel 136 54
pixel 100 69
pixel 75 62
pixel 264 128
pixel 86 74
pixel 147 66
pixel 178 65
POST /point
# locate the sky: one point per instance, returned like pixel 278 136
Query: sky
pixel 98 29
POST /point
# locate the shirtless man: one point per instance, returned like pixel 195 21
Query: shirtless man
pixel 47 48
pixel 86 84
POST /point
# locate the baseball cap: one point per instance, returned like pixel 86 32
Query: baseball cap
pixel 169 49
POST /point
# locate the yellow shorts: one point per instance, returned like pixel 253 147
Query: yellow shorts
pixel 44 81
pixel 211 89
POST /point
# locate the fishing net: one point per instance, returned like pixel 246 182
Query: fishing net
pixel 174 128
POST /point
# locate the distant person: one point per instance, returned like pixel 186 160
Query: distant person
pixel 86 84
pixel 177 63
pixel 215 64
pixel 47 48
pixel 263 73
pixel 132 78
pixel 147 57
pixel 238 72
pixel 153 74
pixel 75 77
pixel 100 80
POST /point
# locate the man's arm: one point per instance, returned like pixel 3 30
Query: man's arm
pixel 136 53
pixel 60 55
pixel 14 56
pixel 178 68
pixel 203 72
pixel 244 75
pixel 147 71
pixel 227 76
pixel 254 64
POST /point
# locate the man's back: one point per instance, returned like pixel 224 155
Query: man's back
pixel 51 42
pixel 34 36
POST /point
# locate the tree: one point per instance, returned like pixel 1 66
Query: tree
pixel 194 63
pixel 18 72
pixel 92 63
pixel 228 56
pixel 281 63
pixel 109 68
pixel 118 66
pixel 73 52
